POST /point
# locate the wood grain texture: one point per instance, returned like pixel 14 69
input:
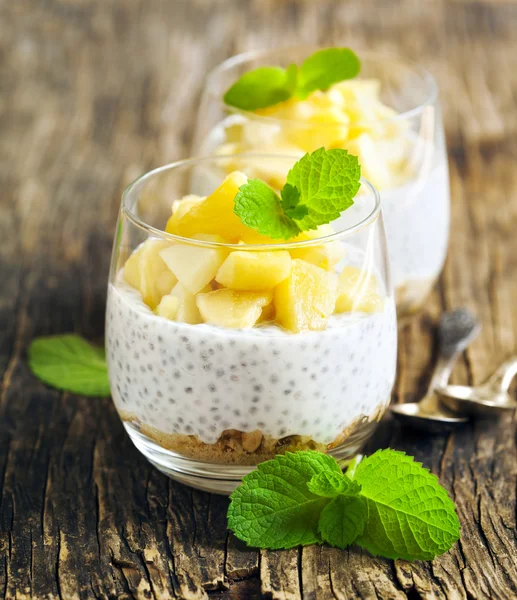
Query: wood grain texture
pixel 95 92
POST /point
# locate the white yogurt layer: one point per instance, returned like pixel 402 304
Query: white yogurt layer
pixel 201 380
pixel 416 218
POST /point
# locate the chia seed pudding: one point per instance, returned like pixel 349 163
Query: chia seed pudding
pixel 241 396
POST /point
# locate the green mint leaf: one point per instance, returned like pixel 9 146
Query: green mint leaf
pixel 343 520
pixel 291 202
pixel 327 180
pixel 326 67
pixel 259 207
pixel 273 507
pixel 267 86
pixel 353 464
pixel 331 484
pixel 70 363
pixel 262 87
pixel 410 515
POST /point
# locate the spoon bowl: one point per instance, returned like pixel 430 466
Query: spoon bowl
pixel 476 401
pixel 428 415
pixel 456 330
pixel 490 398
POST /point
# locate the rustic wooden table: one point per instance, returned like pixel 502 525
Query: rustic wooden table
pixel 94 93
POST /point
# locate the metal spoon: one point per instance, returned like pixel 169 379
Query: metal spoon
pixel 490 398
pixel 456 330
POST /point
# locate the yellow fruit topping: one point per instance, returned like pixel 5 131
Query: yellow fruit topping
pixel 181 207
pixel 214 215
pixel 306 299
pixel 268 314
pixel 248 270
pixel 168 307
pixel 187 311
pixel 326 255
pixel 349 115
pixel 232 308
pixel 146 271
pixel 358 291
pixel 195 266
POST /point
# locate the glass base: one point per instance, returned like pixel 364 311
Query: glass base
pixel 224 478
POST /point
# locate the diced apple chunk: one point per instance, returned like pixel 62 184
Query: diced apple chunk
pixel 187 311
pixel 181 207
pixel 268 314
pixel 168 307
pixel 254 270
pixel 306 299
pixel 195 266
pixel 146 271
pixel 232 308
pixel 358 291
pixel 214 214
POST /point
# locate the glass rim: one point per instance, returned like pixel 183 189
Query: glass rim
pixel 243 57
pixel 189 162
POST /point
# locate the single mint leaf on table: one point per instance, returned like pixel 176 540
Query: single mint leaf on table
pixel 327 181
pixel 70 363
pixel 258 206
pixel 410 515
pixel 324 68
pixel 273 507
pixel 262 87
pixel 343 520
pixel 330 484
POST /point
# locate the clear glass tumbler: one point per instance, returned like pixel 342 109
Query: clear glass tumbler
pixel 205 391
pixel 400 146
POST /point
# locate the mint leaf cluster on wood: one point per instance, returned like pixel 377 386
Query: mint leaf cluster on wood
pixel 270 85
pixel 274 508
pixel 392 506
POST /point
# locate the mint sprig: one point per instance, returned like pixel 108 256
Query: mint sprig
pixel 392 506
pixel 274 508
pixel 70 363
pixel 320 186
pixel 262 87
pixel 410 515
pixel 267 86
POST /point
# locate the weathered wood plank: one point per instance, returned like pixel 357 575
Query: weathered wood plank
pixel 91 95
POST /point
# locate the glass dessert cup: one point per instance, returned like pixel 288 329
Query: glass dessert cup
pixel 205 402
pixel 399 141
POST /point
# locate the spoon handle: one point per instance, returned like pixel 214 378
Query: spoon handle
pixel 503 376
pixel 457 328
pixel 442 370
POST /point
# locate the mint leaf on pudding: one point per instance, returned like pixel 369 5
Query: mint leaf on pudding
pixel 262 87
pixel 327 180
pixel 70 363
pixel 324 68
pixel 343 520
pixel 319 187
pixel 330 484
pixel 258 206
pixel 291 202
pixel 410 515
pixel 270 85
pixel 273 507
